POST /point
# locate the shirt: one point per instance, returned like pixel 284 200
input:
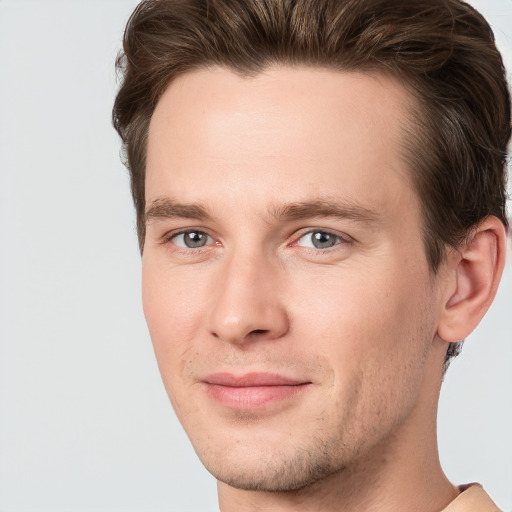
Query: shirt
pixel 472 499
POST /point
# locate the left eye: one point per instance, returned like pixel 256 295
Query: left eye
pixel 319 240
pixel 191 239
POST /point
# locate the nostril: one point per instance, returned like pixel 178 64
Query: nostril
pixel 258 331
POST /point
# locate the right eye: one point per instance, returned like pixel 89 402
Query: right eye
pixel 191 239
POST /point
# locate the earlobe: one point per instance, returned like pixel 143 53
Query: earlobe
pixel 476 272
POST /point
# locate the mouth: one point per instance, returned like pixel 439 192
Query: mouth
pixel 252 390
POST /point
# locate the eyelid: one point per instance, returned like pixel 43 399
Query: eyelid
pixel 168 237
pixel 343 237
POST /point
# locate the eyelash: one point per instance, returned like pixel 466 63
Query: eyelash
pixel 342 239
pixel 168 238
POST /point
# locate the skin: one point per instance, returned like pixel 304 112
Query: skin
pixel 362 324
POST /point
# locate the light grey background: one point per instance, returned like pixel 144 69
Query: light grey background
pixel 85 425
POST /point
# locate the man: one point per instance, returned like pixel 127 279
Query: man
pixel 320 192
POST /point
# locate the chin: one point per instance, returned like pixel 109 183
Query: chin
pixel 274 471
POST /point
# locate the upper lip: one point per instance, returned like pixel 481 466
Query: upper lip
pixel 253 379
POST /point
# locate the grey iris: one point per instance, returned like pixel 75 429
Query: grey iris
pixel 322 240
pixel 195 239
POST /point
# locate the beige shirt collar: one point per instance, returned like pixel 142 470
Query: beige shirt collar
pixel 472 499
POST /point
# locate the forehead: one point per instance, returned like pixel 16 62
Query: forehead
pixel 284 133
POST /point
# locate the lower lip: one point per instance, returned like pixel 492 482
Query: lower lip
pixel 252 397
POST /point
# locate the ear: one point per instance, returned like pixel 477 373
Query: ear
pixel 473 274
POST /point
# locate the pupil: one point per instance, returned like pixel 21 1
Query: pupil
pixel 194 239
pixel 323 240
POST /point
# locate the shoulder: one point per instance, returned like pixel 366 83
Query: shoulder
pixel 472 498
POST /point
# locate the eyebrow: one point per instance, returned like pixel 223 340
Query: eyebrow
pixel 166 208
pixel 325 208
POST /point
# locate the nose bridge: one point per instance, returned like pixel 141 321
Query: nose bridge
pixel 246 304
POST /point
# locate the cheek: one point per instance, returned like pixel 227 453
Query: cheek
pixel 372 321
pixel 375 333
pixel 173 306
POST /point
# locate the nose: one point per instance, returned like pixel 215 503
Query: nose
pixel 247 305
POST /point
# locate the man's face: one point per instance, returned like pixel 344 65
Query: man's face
pixel 285 282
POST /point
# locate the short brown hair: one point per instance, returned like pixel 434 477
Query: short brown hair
pixel 442 50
